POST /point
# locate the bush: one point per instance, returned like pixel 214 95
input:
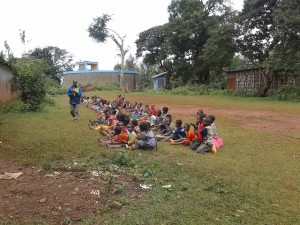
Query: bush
pixel 29 79
pixel 108 86
pixel 288 93
pixel 54 88
pixel 14 106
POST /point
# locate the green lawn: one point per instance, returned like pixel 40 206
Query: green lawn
pixel 254 178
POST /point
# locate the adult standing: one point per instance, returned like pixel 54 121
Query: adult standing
pixel 74 92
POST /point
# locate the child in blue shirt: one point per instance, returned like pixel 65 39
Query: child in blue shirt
pixel 179 132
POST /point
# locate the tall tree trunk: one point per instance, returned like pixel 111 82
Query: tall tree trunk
pixel 268 77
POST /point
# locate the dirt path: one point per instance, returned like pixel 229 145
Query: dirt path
pixel 267 122
pixel 57 197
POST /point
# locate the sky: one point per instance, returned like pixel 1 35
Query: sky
pixel 64 24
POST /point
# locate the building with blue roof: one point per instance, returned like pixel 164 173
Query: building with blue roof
pixel 88 73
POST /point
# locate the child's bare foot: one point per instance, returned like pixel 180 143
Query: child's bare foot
pixel 214 149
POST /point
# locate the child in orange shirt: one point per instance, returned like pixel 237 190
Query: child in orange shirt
pixel 190 136
pixel 117 140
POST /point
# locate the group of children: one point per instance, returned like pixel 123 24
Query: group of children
pixel 135 126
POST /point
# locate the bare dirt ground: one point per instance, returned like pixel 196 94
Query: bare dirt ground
pixel 62 197
pixel 264 121
pixel 66 196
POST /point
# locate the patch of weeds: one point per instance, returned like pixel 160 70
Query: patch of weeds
pixel 113 168
pixel 124 200
pixel 109 178
pixel 123 159
pixel 147 171
pixel 47 167
pixel 118 189
pixel 184 186
pixel 104 209
pixel 136 176
pixel 66 221
pixel 115 205
pixel 217 187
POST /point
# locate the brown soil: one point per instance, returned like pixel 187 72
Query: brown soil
pixel 262 121
pixel 58 198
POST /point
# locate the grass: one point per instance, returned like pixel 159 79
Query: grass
pixel 254 179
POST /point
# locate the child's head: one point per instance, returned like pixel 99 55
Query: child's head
pixel 117 130
pixel 134 122
pixel 130 127
pixel 212 117
pixel 199 111
pixel 178 123
pixel 152 106
pixel 169 117
pixel 158 113
pixel 126 120
pixel 168 121
pixel 114 112
pixel 186 126
pixel 201 117
pixel 121 117
pixel 143 126
pixel 121 124
pixel 206 121
pixel 107 113
pixel 165 110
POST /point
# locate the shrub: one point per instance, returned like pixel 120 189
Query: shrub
pixel 54 88
pixel 29 79
pixel 288 93
pixel 108 86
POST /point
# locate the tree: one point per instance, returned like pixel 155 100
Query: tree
pixel 58 60
pixel 270 38
pixel 99 31
pixel 29 79
pixel 181 46
pixel 130 64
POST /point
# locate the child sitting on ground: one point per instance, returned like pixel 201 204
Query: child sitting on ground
pixel 190 136
pixel 217 141
pixel 207 135
pixel 146 140
pixel 166 130
pixel 132 136
pixel 179 132
pixel 117 140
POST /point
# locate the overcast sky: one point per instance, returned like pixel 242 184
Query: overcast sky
pixel 64 23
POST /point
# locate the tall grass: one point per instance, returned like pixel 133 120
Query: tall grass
pixel 254 178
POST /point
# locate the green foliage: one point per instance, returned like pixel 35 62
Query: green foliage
pixel 108 86
pixel 269 37
pixel 29 80
pixel 146 73
pixel 54 88
pixel 123 159
pixel 197 40
pixel 14 106
pixel 131 64
pixel 98 29
pixel 288 93
pixel 58 61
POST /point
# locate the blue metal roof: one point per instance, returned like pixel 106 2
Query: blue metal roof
pixel 159 75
